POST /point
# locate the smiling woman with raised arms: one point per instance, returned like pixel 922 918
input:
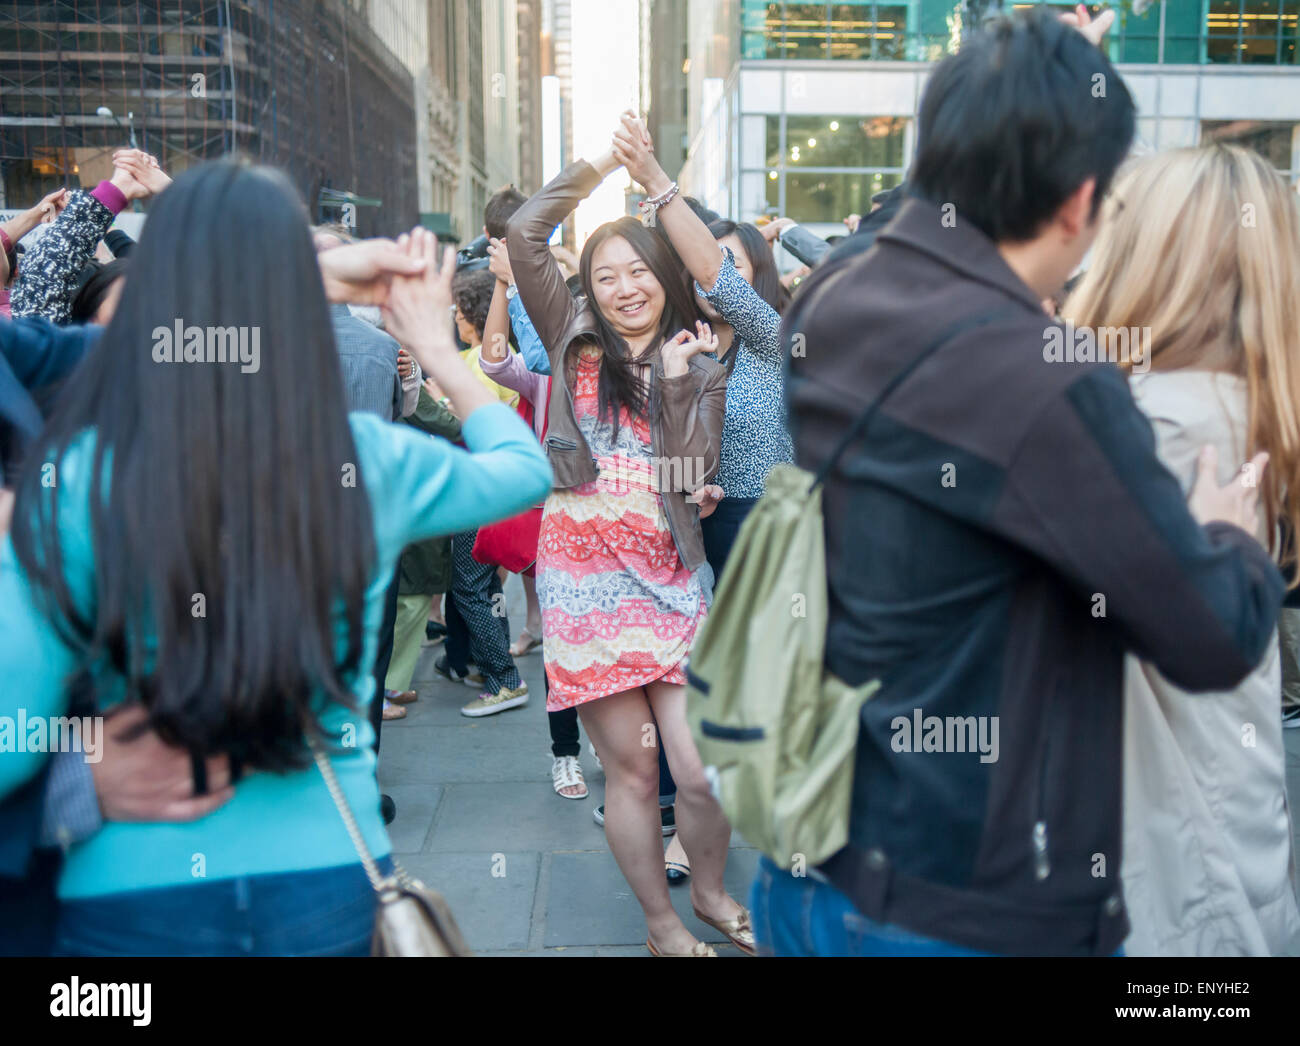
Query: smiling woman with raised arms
pixel 635 426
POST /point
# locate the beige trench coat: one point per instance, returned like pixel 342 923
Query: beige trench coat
pixel 1208 867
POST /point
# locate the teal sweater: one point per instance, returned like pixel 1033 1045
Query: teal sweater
pixel 419 487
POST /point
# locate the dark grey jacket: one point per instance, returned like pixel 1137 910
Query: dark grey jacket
pixel 996 540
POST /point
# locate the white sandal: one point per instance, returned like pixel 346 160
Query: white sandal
pixel 566 772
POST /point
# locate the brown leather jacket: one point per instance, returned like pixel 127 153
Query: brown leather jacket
pixel 686 413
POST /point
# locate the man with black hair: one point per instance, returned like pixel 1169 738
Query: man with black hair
pixel 999 531
pixel 500 206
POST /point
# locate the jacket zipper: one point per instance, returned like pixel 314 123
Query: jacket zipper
pixel 656 450
pixel 1042 861
pixel 560 441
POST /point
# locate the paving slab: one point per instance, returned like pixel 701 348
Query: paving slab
pixel 590 903
pixel 417 805
pixel 491 895
pixel 526 872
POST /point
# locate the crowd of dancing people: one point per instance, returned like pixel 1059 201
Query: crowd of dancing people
pixel 245 487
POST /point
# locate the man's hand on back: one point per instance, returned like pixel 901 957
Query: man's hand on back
pixel 1238 502
pixel 147 780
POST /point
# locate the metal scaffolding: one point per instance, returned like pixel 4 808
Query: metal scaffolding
pixel 304 85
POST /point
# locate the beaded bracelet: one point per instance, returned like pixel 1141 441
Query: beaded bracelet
pixel 653 203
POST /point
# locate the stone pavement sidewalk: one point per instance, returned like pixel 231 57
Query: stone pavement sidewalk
pixel 525 871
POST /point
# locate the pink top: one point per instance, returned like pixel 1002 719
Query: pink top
pixel 513 373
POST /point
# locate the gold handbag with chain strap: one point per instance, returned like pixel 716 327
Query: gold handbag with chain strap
pixel 411 920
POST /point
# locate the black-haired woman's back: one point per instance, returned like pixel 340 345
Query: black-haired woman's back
pixel 217 544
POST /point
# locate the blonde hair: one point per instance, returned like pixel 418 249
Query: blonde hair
pixel 1202 247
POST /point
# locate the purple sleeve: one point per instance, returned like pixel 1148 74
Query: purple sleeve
pixel 110 196
pixel 513 373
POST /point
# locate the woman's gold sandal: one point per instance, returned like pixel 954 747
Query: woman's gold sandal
pixel 738 930
pixel 699 951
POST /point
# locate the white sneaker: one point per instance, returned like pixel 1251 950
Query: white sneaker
pixel 566 772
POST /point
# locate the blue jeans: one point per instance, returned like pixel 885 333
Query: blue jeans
pixel 805 917
pixel 325 911
pixel 720 530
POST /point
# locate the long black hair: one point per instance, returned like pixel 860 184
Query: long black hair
pixel 233 543
pixel 767 281
pixel 620 384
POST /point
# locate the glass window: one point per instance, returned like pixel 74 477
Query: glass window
pixel 890 39
pixel 1272 140
pixel 1138 37
pixel 829 197
pixel 805 30
pixel 1221 30
pixel 773 141
pixel 851 30
pixel 760 29
pixel 866 29
pixel 842 141
pixel 1257 32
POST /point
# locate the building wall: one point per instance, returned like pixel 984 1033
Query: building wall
pixel 558 23
pixel 440 100
pixel 666 62
pixel 482 95
pixel 528 14
pixel 753 124
pixel 403 26
pixel 501 130
pixel 307 86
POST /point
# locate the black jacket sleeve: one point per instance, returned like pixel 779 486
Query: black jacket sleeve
pixel 1087 492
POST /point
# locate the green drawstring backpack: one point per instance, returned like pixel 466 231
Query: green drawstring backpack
pixel 777 732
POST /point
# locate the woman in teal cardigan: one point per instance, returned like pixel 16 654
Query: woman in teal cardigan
pixel 203 529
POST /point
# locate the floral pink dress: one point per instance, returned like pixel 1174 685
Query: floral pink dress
pixel 619 609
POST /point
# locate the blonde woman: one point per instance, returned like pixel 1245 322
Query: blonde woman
pixel 1201 257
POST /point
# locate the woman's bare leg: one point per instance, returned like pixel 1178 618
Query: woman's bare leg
pixel 702 825
pixel 533 620
pixel 617 726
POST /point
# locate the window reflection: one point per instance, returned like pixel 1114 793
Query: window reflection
pixel 1229 31
pixel 829 197
pixel 1255 32
pixel 805 30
